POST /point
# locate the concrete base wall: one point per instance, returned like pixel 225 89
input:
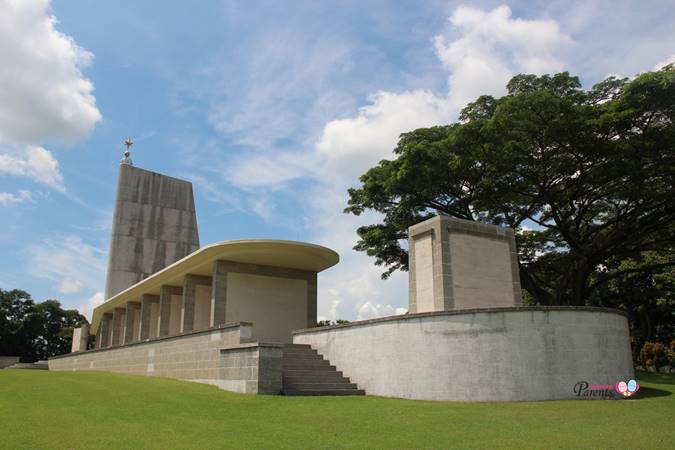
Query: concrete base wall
pixel 222 356
pixel 501 354
pixel 6 361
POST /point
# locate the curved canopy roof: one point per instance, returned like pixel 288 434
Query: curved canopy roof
pixel 266 252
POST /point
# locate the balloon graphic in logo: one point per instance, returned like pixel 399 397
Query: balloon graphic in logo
pixel 627 389
pixel 633 386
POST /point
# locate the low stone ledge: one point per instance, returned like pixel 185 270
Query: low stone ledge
pixel 460 312
pixel 252 345
pixel 157 339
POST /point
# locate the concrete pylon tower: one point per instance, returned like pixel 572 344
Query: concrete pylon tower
pixel 154 225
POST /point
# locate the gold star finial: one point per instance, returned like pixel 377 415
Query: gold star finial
pixel 127 153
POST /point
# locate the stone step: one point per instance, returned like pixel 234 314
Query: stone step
pixel 319 371
pixel 325 392
pixel 306 372
pixel 328 377
pixel 301 356
pixel 298 346
pixel 305 363
pixel 319 386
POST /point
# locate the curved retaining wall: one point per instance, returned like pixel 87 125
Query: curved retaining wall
pixel 502 354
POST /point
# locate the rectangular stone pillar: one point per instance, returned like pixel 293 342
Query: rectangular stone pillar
pixel 98 339
pixel 104 336
pixel 80 338
pixel 118 326
pixel 311 299
pixel 187 312
pixel 461 264
pixel 165 294
pixel 129 329
pixel 219 293
pixel 147 301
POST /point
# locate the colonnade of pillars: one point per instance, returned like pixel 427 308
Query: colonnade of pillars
pixel 171 312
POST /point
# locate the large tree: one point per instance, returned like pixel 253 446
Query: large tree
pixel 584 176
pixel 32 330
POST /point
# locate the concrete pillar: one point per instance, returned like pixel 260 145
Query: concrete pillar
pixel 80 338
pixel 461 264
pixel 118 326
pixel 147 301
pixel 98 339
pixel 165 294
pixel 103 339
pixel 187 313
pixel 218 293
pixel 311 299
pixel 131 322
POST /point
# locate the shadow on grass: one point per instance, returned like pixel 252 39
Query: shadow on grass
pixel 656 378
pixel 648 392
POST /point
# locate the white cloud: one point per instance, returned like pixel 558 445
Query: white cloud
pixel 43 95
pixel 87 307
pixel 664 63
pixel 351 144
pixel 371 310
pixel 36 163
pixel 492 48
pixel 69 262
pixel 260 170
pixel 69 286
pixel 9 199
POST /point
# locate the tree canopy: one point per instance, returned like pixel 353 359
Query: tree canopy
pixel 32 330
pixel 584 176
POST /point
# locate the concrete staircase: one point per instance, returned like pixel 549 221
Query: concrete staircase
pixel 305 372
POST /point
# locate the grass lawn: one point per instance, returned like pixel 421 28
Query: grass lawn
pixel 66 410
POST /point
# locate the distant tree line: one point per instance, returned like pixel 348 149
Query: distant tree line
pixel 35 331
pixel 327 323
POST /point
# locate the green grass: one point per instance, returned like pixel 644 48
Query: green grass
pixel 41 410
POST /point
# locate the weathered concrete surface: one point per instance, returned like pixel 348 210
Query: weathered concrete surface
pixel 132 322
pixel 154 225
pixel 80 338
pixel 460 264
pixel 277 300
pixel 223 356
pixel 104 335
pixel 500 354
pixel 6 361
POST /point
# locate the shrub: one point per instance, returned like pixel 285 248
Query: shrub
pixel 656 354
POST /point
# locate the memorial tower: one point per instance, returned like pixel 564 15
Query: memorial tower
pixel 154 225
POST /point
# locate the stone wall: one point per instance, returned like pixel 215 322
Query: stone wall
pixel 501 354
pixel 223 356
pixel 6 361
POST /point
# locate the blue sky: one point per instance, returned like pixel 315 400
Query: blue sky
pixel 272 110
